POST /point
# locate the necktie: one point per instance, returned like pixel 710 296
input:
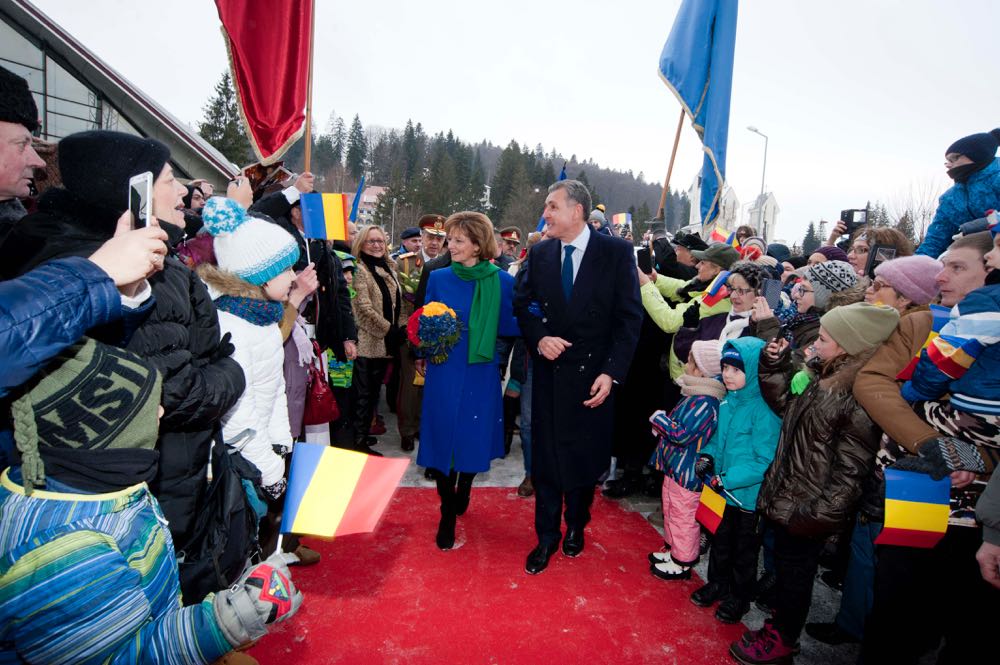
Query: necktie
pixel 567 271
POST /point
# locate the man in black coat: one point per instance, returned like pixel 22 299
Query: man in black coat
pixel 579 310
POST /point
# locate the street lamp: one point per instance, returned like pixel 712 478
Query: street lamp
pixel 763 173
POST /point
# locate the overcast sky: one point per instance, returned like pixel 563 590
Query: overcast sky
pixel 859 98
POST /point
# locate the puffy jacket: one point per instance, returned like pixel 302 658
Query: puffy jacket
pixel 180 338
pixel 827 447
pixel 744 441
pixel 963 202
pixel 375 334
pixel 263 407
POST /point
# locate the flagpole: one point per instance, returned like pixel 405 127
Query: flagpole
pixel 670 169
pixel 309 90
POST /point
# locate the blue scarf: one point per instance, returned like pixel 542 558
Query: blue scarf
pixel 253 310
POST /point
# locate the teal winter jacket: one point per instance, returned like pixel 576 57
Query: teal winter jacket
pixel 747 435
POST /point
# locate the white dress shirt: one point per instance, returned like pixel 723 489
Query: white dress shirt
pixel 579 244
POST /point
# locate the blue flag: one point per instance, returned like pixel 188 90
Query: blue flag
pixel 541 220
pixel 357 200
pixel 697 66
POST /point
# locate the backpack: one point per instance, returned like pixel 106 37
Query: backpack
pixel 224 538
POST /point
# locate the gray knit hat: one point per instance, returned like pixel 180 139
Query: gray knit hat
pixel 860 326
pixel 829 277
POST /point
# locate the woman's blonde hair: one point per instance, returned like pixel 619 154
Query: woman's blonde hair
pixel 362 238
pixel 479 230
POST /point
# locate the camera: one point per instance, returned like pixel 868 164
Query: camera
pixel 853 218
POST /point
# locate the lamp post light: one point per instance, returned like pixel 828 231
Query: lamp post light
pixel 763 173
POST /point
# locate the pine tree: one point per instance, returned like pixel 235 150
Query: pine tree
pixel 905 226
pixel 811 240
pixel 222 126
pixel 356 149
pixel 503 179
pixel 338 140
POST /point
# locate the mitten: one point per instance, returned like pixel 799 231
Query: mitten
pixel 941 455
pixel 704 465
pixel 262 596
pixel 224 349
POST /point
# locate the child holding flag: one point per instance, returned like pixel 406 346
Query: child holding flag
pixel 689 426
pixel 736 458
pixel 827 449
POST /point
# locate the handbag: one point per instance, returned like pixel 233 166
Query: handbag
pixel 321 406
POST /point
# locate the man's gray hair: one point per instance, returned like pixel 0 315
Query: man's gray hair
pixel 576 191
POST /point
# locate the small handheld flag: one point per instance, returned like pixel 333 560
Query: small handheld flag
pixel 357 200
pixel 334 492
pixel 541 220
pixel 324 216
pixel 717 290
pixel 916 509
pixel 719 235
pixel 711 506
pixel 622 218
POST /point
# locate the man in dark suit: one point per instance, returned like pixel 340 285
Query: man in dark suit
pixel 579 310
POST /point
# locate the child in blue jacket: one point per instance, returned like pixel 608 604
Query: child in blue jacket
pixel 736 459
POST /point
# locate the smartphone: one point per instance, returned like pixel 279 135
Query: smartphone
pixel 853 218
pixel 877 255
pixel 770 289
pixel 140 199
pixel 644 260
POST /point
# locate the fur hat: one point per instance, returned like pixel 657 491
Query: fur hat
pixel 253 249
pixel 754 273
pixel 16 103
pixel 860 326
pixel 832 253
pixel 829 277
pixel 913 277
pixel 96 165
pixel 979 148
pixel 707 355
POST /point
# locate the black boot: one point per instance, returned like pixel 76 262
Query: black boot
pixel 463 492
pixel 511 407
pixel 445 538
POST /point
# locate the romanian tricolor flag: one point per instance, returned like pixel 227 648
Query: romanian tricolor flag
pixel 334 492
pixel 916 509
pixel 717 290
pixel 953 356
pixel 719 235
pixel 325 216
pixel 621 218
pixel 940 314
pixel 710 509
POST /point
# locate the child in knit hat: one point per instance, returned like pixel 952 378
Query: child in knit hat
pixel 88 571
pixel 827 449
pixel 682 434
pixel 249 287
pixel 734 460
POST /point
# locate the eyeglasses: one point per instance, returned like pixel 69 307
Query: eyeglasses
pixel 740 292
pixel 799 291
pixel 374 241
pixel 877 285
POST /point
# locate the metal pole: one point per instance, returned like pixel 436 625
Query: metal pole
pixel 763 174
pixel 392 228
pixel 307 162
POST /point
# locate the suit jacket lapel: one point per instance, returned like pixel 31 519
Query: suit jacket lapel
pixel 587 277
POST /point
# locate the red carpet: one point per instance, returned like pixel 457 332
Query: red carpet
pixel 393 597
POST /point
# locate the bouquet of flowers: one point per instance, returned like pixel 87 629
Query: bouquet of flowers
pixel 409 282
pixel 434 330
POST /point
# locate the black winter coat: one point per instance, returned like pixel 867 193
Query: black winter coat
pixel 826 450
pixel 180 338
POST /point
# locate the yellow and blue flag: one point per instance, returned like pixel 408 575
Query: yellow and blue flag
pixel 324 216
pixel 916 509
pixel 697 65
pixel 334 492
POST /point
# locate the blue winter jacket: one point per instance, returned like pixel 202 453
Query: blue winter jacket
pixel 963 202
pixel 42 313
pixel 747 435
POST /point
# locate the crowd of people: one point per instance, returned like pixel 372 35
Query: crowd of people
pixel 149 371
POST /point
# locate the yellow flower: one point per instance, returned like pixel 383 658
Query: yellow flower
pixel 437 309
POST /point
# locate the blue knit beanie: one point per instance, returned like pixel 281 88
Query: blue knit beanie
pixel 253 249
pixel 977 147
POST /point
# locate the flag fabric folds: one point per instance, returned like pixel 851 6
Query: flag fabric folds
pixel 324 216
pixel 710 509
pixel 268 45
pixel 916 509
pixel 357 200
pixel 940 315
pixel 717 290
pixel 697 65
pixel 334 492
pixel 622 218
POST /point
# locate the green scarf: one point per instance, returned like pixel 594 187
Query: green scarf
pixel 485 315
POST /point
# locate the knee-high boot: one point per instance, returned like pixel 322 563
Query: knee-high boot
pixel 445 538
pixel 511 407
pixel 463 492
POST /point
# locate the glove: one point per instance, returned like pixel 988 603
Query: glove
pixel 942 455
pixel 262 596
pixel 704 465
pixel 223 350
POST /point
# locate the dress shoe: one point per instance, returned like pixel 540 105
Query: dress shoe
pixel 407 444
pixel 572 544
pixel 829 633
pixel 732 610
pixel 306 556
pixel 378 427
pixel 708 594
pixel 538 559
pixel 526 488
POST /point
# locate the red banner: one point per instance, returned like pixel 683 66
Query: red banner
pixel 268 45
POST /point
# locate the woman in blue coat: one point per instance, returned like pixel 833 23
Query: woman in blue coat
pixel 461 428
